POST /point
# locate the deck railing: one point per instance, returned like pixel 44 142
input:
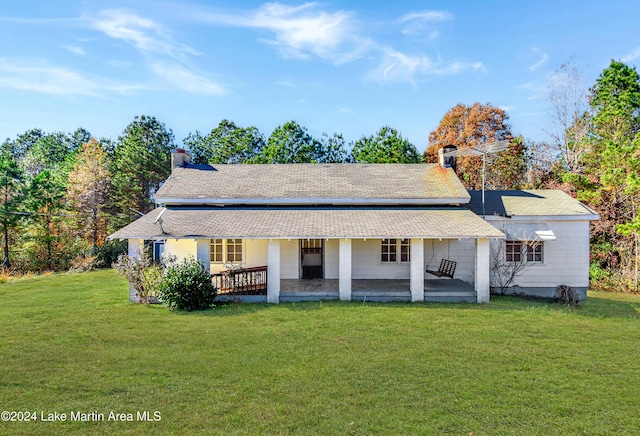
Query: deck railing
pixel 243 281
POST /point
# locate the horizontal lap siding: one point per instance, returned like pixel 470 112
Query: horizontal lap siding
pixel 566 260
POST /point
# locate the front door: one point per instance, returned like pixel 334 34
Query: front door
pixel 311 258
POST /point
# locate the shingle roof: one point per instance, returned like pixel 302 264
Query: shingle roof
pixel 534 202
pixel 313 183
pixel 228 222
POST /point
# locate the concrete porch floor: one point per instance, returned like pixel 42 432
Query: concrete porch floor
pixel 449 290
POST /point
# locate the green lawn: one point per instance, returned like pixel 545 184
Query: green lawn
pixel 73 343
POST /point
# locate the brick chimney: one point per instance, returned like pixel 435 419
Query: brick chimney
pixel 179 158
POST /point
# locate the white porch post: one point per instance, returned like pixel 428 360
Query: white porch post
pixel 135 247
pixel 344 270
pixel 273 271
pixel 417 269
pixel 482 285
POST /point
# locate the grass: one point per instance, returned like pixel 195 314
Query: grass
pixel 73 343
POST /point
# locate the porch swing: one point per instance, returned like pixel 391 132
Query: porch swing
pixel 447 267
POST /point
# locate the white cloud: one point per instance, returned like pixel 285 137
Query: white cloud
pixel 631 56
pixel 180 78
pixel 73 49
pixel 146 35
pixel 41 77
pixel 302 31
pixel 400 67
pixel 419 23
pixel 544 58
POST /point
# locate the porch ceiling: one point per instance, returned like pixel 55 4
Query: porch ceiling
pixel 303 223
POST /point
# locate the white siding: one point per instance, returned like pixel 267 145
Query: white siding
pixel 565 260
pixel 366 262
pixel 463 252
pixel 290 259
pixel 331 259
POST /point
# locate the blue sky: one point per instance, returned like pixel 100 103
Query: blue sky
pixel 338 66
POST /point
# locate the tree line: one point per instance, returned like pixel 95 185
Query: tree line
pixel 62 194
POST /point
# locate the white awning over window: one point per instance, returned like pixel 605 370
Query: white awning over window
pixel 529 232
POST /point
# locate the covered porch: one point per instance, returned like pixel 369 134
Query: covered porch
pixel 364 253
pixel 379 290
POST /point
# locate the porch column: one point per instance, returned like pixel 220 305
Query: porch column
pixel 273 271
pixel 482 285
pixel 344 270
pixel 135 247
pixel 417 269
pixel 202 252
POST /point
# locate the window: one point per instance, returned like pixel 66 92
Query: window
pixel 225 251
pixel 389 250
pixel 215 251
pixel 405 251
pixel 529 251
pixel 234 250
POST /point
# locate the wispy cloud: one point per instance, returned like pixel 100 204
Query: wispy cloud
pixel 421 23
pixel 73 49
pixel 301 31
pixel 544 58
pixel 400 67
pixel 635 54
pixel 39 76
pixel 179 78
pixel 146 35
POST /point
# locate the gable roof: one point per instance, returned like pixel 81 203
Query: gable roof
pixel 530 203
pixel 309 222
pixel 312 184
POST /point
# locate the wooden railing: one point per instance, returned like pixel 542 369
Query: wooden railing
pixel 244 281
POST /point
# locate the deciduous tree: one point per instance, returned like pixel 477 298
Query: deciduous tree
pixel 87 192
pixel 468 126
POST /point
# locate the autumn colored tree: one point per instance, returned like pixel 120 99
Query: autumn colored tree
pixel 468 126
pixel 386 146
pixel 88 190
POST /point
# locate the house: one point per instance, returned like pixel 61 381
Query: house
pixel 547 230
pixel 348 231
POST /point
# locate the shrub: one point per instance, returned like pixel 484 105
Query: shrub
pixel 109 252
pixel 83 264
pixel 567 295
pixel 187 286
pixel 141 273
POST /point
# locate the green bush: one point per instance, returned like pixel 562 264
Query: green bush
pixel 187 286
pixel 141 273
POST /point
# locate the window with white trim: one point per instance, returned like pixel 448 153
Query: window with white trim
pixel 226 251
pixel 528 251
pixel 390 248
